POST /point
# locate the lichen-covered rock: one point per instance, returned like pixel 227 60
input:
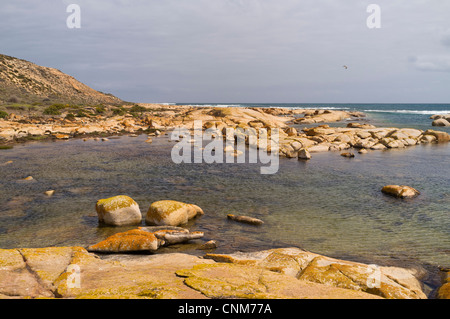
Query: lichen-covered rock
pixel 129 241
pixel 21 271
pixel 118 211
pixel 387 282
pixel 127 277
pixel 171 213
pixel 444 290
pixel 275 273
pixel 400 191
pixel 222 280
pixel 355 276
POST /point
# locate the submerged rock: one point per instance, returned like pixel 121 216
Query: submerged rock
pixel 118 211
pixel 49 193
pixel 171 213
pixel 347 154
pixel 400 191
pixel 212 244
pixel 245 219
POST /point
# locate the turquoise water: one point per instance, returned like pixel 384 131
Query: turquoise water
pixel 330 205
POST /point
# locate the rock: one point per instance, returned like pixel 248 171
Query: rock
pixel 170 235
pixel 62 136
pixel 16 280
pixel 440 136
pixel 359 125
pixel 29 178
pixel 6 163
pixel 375 280
pixel 412 133
pixel 245 219
pixel 363 134
pixel 172 213
pixel 49 273
pixel 380 133
pixel 378 146
pixel 212 244
pixel 296 146
pixel 290 131
pixel 176 238
pixel 444 290
pixel 348 154
pixel 343 138
pixel 323 147
pixel 390 282
pixel 303 120
pixel 398 135
pixel 428 139
pixel 118 211
pixel 363 151
pixel 441 122
pixel 304 154
pixel 129 241
pixel 319 131
pixel 159 231
pixel 400 191
pixel 276 273
pixel 233 281
pixel 49 193
pixel 149 140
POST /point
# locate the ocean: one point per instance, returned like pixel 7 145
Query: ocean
pixel 329 205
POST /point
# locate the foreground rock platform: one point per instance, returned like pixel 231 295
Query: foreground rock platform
pixel 278 273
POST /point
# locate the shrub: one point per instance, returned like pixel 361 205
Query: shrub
pixel 100 109
pixel 13 99
pixel 137 109
pixel 118 111
pixel 81 113
pixel 52 110
pixel 3 115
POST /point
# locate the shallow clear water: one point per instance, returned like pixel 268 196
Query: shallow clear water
pixel 330 205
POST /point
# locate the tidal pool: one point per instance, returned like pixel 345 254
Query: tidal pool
pixel 329 205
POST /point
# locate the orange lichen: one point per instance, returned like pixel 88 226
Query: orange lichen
pixel 132 240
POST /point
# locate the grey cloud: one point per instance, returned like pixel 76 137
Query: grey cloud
pixel 445 38
pixel 234 50
pixel 432 63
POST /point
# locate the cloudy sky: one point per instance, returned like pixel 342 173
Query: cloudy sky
pixel 231 51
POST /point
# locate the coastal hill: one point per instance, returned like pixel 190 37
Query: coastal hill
pixel 23 82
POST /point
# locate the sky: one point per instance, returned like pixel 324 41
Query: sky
pixel 240 51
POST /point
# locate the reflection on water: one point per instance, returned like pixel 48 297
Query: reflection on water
pixel 330 205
